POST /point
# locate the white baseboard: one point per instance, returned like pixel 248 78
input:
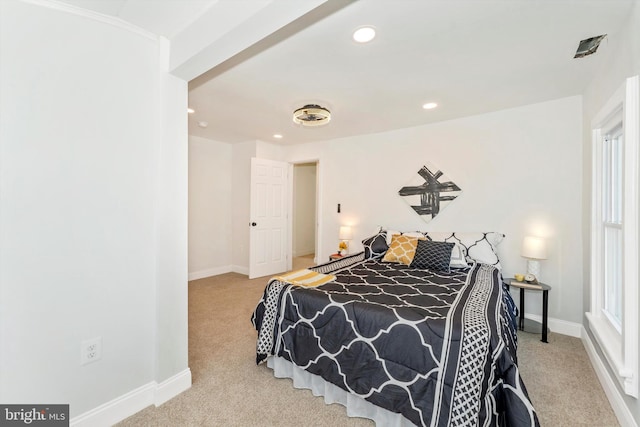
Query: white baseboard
pixel 201 274
pixel 136 400
pixel 559 326
pixel 171 387
pixel 240 269
pixel 305 252
pixel 117 409
pixel 625 418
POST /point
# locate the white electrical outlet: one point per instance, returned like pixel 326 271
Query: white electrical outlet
pixel 90 350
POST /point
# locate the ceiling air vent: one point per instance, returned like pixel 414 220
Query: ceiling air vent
pixel 589 46
pixel 312 115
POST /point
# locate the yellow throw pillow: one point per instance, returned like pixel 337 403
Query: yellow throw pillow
pixel 402 249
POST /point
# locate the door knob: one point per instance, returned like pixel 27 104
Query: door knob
pixel 253 224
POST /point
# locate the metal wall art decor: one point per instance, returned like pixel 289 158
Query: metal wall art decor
pixel 429 192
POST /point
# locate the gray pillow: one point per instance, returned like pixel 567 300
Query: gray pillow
pixel 432 255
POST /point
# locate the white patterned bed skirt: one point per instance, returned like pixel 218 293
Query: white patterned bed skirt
pixel 356 406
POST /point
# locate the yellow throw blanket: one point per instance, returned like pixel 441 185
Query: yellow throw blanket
pixel 306 278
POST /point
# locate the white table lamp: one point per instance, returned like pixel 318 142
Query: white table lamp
pixel 534 249
pixel 344 235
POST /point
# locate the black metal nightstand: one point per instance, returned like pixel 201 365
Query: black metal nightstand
pixel 529 325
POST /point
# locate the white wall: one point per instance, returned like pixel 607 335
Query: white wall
pixel 171 212
pixel 519 169
pixel 210 212
pixel 623 51
pixel 304 209
pixel 92 209
pixel 241 184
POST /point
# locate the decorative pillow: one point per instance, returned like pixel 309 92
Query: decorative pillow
pixel 402 249
pixel 391 233
pixel 458 259
pixel 477 247
pixel 418 234
pixel 433 255
pixel 376 245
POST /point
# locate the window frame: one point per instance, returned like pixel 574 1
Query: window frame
pixel 620 347
pixel 611 148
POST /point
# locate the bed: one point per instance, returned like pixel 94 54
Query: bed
pixel 403 341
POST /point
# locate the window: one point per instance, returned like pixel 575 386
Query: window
pixel 613 318
pixel 611 164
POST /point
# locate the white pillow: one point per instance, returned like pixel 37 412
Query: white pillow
pixel 390 234
pixel 457 257
pixel 416 234
pixel 479 247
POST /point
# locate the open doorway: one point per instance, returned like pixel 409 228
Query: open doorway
pixel 304 215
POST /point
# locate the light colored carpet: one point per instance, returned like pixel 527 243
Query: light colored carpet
pixel 561 382
pixel 230 390
pixel 298 263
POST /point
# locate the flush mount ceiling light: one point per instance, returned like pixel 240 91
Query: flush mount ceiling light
pixel 311 115
pixel 589 46
pixel 429 105
pixel 364 34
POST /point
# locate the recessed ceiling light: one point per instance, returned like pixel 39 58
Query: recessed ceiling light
pixel 429 105
pixel 277 136
pixel 364 34
pixel 190 110
pixel 203 124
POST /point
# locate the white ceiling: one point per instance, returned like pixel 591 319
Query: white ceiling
pixel 162 17
pixel 469 56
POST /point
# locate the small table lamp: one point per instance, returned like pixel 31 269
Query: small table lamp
pixel 534 248
pixel 344 236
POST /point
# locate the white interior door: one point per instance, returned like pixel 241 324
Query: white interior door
pixel 268 218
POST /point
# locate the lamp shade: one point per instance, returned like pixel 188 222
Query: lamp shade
pixel 345 233
pixel 534 248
